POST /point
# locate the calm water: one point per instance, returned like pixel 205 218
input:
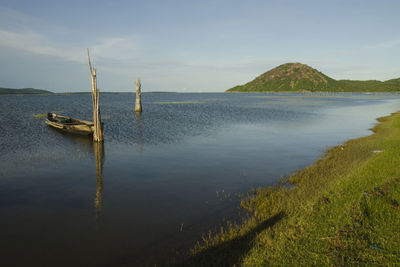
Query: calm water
pixel 161 178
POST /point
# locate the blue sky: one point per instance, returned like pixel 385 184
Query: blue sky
pixel 192 46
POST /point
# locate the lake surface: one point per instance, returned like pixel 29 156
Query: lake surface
pixel 162 178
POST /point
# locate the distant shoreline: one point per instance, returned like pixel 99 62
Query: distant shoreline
pixel 24 91
pixel 33 91
pixel 315 92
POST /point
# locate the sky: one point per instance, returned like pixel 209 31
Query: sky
pixel 192 46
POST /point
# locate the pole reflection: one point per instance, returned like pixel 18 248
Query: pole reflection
pixel 139 132
pixel 98 149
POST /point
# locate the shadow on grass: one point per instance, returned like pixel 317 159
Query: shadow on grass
pixel 231 252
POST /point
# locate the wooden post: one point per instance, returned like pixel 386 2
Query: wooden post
pixel 138 103
pixel 98 127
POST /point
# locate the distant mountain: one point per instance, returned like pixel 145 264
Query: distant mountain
pixel 11 91
pixel 297 77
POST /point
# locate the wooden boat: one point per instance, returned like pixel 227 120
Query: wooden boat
pixel 70 125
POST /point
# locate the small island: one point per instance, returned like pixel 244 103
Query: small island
pixel 23 91
pixel 297 77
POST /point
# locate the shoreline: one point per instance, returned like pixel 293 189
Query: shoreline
pixel 315 92
pixel 343 209
pixel 223 92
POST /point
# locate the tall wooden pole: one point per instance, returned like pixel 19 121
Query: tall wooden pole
pixel 138 102
pixel 98 127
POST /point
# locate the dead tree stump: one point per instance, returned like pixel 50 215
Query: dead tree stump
pixel 138 102
pixel 98 127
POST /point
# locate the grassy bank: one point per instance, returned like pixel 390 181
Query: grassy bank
pixel 344 209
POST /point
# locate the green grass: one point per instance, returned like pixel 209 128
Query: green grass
pixel 39 116
pixel 179 103
pixel 304 85
pixel 106 117
pixel 343 210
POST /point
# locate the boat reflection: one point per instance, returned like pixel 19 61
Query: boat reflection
pixel 84 143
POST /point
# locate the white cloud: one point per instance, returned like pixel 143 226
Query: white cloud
pixel 108 48
pixel 387 44
pixel 37 44
pixel 24 32
pixel 367 48
pixel 120 50
pixel 112 45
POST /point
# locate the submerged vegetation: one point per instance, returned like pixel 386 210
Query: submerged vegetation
pixel 296 77
pixel 178 103
pixel 343 210
pixel 39 116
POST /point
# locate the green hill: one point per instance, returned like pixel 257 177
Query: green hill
pixel 297 77
pixel 11 91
